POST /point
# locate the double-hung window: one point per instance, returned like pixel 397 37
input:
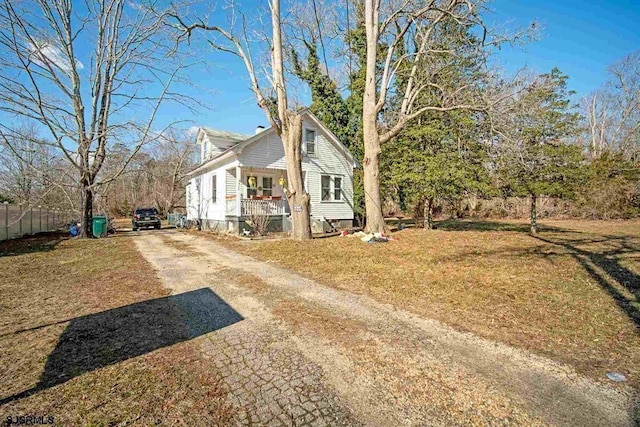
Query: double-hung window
pixel 325 183
pixel 310 142
pixel 337 188
pixel 331 188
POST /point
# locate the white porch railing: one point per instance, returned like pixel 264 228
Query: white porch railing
pixel 250 207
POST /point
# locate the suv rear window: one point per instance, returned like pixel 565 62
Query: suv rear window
pixel 147 212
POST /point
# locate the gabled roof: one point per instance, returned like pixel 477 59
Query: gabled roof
pixel 332 137
pixel 251 139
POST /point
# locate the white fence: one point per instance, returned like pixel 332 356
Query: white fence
pixel 17 220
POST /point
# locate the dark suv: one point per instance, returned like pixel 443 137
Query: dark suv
pixel 145 217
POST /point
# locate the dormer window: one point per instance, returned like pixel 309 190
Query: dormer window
pixel 207 149
pixel 310 142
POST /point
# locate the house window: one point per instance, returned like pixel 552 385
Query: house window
pixel 310 141
pixel 214 189
pixel 251 192
pixel 331 188
pixel 326 188
pixel 267 186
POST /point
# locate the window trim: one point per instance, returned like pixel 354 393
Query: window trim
pixel 315 141
pixel 248 188
pixel 332 189
pixel 269 177
pixel 339 189
pixel 322 188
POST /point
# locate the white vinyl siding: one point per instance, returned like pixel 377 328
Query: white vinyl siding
pixel 341 209
pixel 214 189
pixel 231 184
pixel 268 153
pixel 206 198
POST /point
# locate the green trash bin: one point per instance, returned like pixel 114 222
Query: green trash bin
pixel 99 226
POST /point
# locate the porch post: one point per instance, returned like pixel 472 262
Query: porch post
pixel 238 191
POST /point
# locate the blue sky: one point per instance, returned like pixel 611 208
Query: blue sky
pixel 580 37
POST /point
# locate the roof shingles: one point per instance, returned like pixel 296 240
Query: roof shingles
pixel 216 133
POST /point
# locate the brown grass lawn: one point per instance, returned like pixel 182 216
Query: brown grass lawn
pixel 571 293
pixel 89 337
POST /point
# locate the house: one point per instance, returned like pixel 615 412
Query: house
pixel 242 176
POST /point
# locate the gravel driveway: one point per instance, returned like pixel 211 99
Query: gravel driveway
pixel 307 354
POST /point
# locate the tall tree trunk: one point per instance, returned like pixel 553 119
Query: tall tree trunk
pixel 290 127
pixel 428 214
pixel 371 162
pixel 534 218
pixel 371 166
pixel 298 198
pixel 87 210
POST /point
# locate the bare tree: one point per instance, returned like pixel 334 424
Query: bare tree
pixel 613 112
pixel 32 173
pixel 259 221
pixel 401 38
pixel 173 158
pixel 286 122
pixel 24 167
pixel 84 101
pixel 154 177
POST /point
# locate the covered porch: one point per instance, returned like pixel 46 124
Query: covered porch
pixel 255 192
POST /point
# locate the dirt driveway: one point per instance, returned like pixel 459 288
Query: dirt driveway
pixel 304 353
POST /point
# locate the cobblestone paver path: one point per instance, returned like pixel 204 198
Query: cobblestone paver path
pixel 307 354
pixel 270 383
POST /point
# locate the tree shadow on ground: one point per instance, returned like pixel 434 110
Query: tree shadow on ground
pixel 600 256
pixel 106 338
pixel 605 267
pixel 41 242
pixel 481 225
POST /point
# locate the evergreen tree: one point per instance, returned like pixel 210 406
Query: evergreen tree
pixel 326 102
pixel 534 157
pixel 439 158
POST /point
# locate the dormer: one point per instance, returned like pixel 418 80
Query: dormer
pixel 213 142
